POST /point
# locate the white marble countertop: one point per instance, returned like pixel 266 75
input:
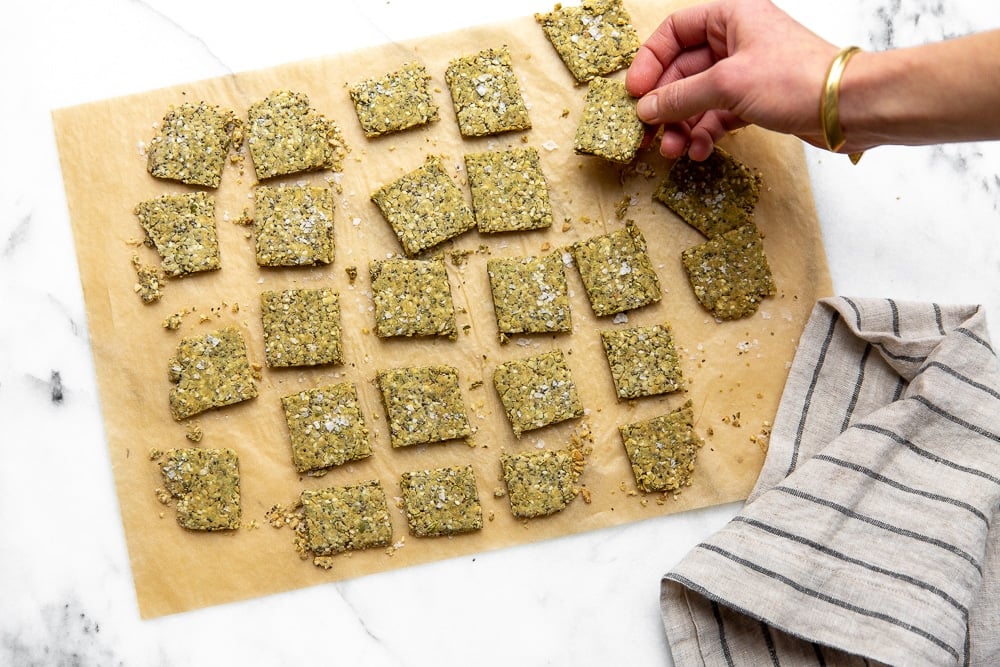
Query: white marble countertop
pixel 909 223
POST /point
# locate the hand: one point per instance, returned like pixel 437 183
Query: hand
pixel 713 68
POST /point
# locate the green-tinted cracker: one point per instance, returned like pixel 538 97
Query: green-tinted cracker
pixel 442 501
pixel 537 391
pixel 714 196
pixel 412 298
pixel 182 230
pixel 397 101
pixel 662 450
pixel 423 405
pixel 593 39
pixel 542 482
pixel 206 486
pixel 730 274
pixel 286 136
pixel 210 371
pixel 301 327
pixel 346 518
pixel 530 294
pixel 192 144
pixel 424 207
pixel 643 361
pixel 294 225
pixel 609 127
pixel 616 271
pixel 509 192
pixel 486 94
pixel 326 427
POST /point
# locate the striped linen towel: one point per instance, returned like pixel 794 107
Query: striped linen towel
pixel 867 538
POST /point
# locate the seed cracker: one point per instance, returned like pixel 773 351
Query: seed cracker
pixel 412 297
pixel 616 271
pixel 730 274
pixel 287 136
pixel 210 371
pixel 182 229
pixel 301 327
pixel 643 361
pixel 537 391
pixel 293 225
pixel 593 39
pixel 486 94
pixel 423 405
pixel 530 294
pixel 714 196
pixel 609 127
pixel 326 427
pixel 192 144
pixel 397 101
pixel 662 450
pixel 346 518
pixel 441 501
pixel 543 482
pixel 509 191
pixel 424 207
pixel 206 486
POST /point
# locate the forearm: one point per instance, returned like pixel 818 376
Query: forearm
pixel 942 92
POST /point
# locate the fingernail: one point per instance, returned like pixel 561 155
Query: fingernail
pixel 648 107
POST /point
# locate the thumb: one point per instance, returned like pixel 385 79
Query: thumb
pixel 681 99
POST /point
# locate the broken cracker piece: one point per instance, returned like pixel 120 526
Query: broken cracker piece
pixel 730 274
pixel 441 501
pixel 210 371
pixel 509 191
pixel 643 361
pixel 662 450
pixel 486 94
pixel 182 229
pixel 394 102
pixel 423 405
pixel 286 136
pixel 537 391
pixel 593 39
pixel 192 144
pixel 616 271
pixel 346 518
pixel 206 486
pixel 150 281
pixel 301 327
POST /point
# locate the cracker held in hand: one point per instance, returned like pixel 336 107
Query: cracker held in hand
pixel 424 207
pixel 210 371
pixel 206 486
pixel 593 39
pixel 441 501
pixel 662 450
pixel 326 427
pixel 182 230
pixel 714 196
pixel 616 271
pixel 609 127
pixel 486 94
pixel 394 102
pixel 730 274
pixel 192 144
pixel 537 391
pixel 412 297
pixel 287 136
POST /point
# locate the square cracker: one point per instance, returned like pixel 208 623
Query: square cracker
pixel 301 327
pixel 643 361
pixel 593 39
pixel 206 486
pixel 509 191
pixel 662 450
pixel 412 297
pixel 192 144
pixel 714 196
pixel 424 207
pixel 326 427
pixel 609 127
pixel 394 102
pixel 616 271
pixel 530 294
pixel 346 518
pixel 486 94
pixel 537 391
pixel 210 371
pixel 542 482
pixel 730 274
pixel 181 228
pixel 441 501
pixel 287 136
pixel 423 405
pixel 293 225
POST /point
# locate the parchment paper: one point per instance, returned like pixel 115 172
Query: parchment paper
pixel 736 370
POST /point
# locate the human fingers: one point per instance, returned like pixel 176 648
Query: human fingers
pixel 675 140
pixel 708 131
pixel 681 99
pixel 662 47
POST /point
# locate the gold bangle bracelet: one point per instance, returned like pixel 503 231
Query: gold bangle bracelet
pixel 829 112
